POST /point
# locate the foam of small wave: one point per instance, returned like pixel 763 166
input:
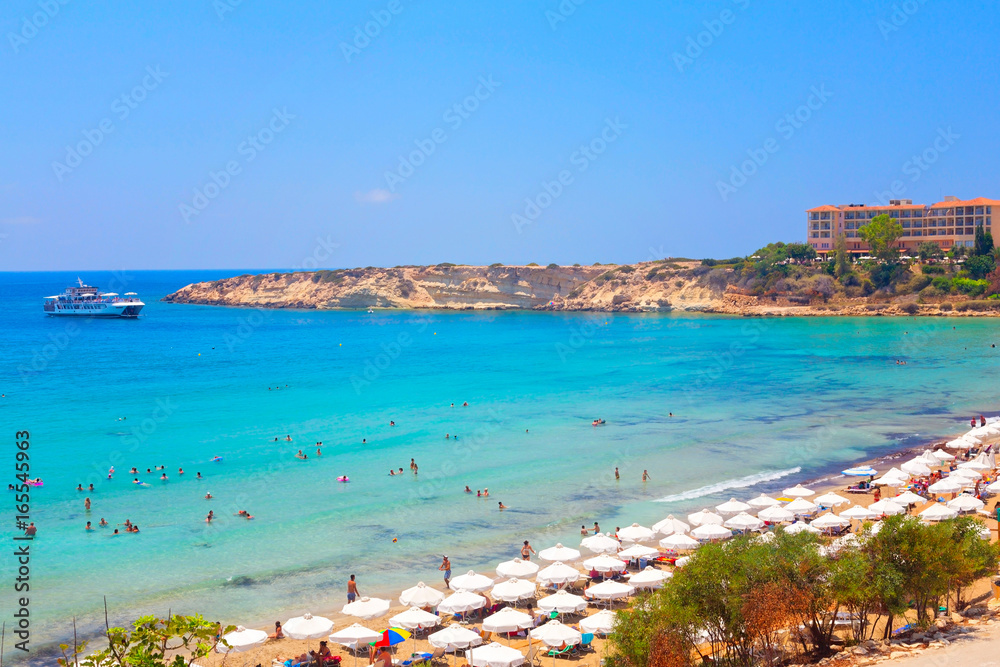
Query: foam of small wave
pixel 741 483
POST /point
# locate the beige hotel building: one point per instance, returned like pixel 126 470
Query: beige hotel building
pixel 949 223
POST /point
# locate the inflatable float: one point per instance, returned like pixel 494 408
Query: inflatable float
pixel 343 478
pixel 215 459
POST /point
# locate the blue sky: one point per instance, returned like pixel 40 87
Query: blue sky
pixel 266 134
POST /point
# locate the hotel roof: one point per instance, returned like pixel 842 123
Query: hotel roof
pixel 979 201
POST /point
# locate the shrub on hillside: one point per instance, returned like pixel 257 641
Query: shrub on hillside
pixel 910 308
pixel 970 287
pixel 945 306
pixel 977 306
pixel 942 284
pixel 932 269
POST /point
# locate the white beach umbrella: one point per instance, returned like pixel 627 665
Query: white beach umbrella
pixel 857 512
pixel 557 573
pixel 801 506
pixel 798 491
pixel 915 467
pixel 461 602
pixel 604 563
pixel 671 526
pixel 963 474
pixel 928 459
pixel 517 568
pixel 559 553
pixel 609 590
pixel 801 527
pixel 888 506
pixel 241 640
pixel 649 578
pixel 556 634
pixel 909 498
pixel 942 455
pixel 367 608
pixel 973 437
pixel 762 501
pixel 938 512
pixel 307 626
pixel 455 638
pixel 744 521
pixel 637 551
pixel 830 500
pixel 601 623
pixel 508 619
pixel 732 506
pixel 993 487
pixel 829 521
pixel 960 443
pixel 679 543
pixel 946 485
pixel 472 582
pixel 892 480
pixel 600 544
pixel 975 464
pixel 421 595
pixel 636 533
pixel 681 562
pixel 495 655
pixel 513 590
pixel 414 618
pixel 704 517
pixel 775 514
pixel 966 503
pixel 354 636
pixel 562 602
pixel 710 531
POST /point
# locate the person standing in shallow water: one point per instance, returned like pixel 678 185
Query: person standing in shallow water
pixel 352 589
pixel 446 568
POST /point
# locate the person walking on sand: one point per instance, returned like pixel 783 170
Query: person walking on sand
pixel 526 551
pixel 352 589
pixel 446 568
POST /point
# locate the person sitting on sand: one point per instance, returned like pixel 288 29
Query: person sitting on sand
pixel 278 632
pixel 383 658
pixel 323 656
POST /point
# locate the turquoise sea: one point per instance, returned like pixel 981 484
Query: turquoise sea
pixel 756 403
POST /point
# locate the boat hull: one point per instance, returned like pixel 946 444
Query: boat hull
pixel 125 311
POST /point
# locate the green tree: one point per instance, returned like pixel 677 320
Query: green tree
pixel 979 266
pixel 840 257
pixel 177 641
pixel 800 251
pixel 881 234
pixel 983 244
pixel 929 250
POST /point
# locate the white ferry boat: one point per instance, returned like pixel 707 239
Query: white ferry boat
pixel 86 301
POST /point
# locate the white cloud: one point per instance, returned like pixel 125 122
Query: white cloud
pixel 376 196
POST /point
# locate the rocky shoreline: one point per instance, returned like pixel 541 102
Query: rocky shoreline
pixel 661 286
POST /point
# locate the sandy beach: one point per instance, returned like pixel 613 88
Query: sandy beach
pixel 981 642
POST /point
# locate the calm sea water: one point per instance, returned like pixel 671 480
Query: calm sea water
pixel 754 402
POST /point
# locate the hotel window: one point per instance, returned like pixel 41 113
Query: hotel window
pixel 970 230
pixel 905 224
pixel 969 211
pixel 814 216
pixel 824 225
pixel 931 232
pixel 979 210
pixel 979 222
pixel 917 232
pixel 904 214
pixel 814 235
pixel 825 216
pixel 825 245
pixel 906 232
pixel 988 211
pixel 850 235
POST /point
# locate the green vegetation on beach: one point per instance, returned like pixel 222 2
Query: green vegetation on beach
pixel 739 600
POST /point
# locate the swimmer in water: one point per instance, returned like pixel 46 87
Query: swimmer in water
pixel 86 504
pixel 392 423
pixel 180 471
pixel 392 473
pixel 89 527
pixel 91 487
pixel 645 476
pixel 133 471
pixel 467 489
pixel 288 438
pixel 102 522
pixel 486 493
pixel 617 476
pixel 502 506
pixel 199 476
pixel 208 496
pixel 300 455
pixel 163 477
pixel 400 472
pixel 364 441
pixel 79 487
pixel 319 452
pixel 208 519
pixel 465 405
